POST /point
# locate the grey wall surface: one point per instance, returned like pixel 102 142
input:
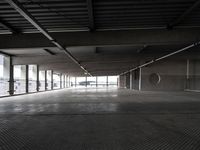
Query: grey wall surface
pixel 172 76
pixel 194 75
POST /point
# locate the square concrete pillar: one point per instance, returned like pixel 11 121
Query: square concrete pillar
pixel 27 77
pixel 11 76
pixel 140 79
pixel 131 80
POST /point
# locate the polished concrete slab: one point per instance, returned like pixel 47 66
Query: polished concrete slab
pixel 100 119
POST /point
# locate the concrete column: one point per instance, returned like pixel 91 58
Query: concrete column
pixel 131 80
pixel 86 81
pixel 188 75
pixel 27 78
pixel 124 81
pixel 37 79
pixel 51 79
pixel 69 81
pixel 118 82
pixel 11 78
pixel 61 81
pixel 140 79
pixel 107 81
pixel 45 79
pixel 64 81
pixel 96 81
pixel 75 81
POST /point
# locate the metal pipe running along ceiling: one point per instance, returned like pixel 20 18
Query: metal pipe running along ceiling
pixel 163 57
pixel 19 8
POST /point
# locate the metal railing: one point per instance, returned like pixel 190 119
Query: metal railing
pixel 19 86
pixel 4 87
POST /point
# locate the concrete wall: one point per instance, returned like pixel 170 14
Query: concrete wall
pixel 172 76
pixel 194 75
pixel 165 75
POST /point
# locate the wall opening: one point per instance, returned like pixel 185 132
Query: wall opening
pixel 32 78
pixel 41 80
pixel 4 75
pixel 56 81
pixel 97 81
pixel 19 79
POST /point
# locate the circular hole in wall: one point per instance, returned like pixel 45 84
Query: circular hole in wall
pixel 154 78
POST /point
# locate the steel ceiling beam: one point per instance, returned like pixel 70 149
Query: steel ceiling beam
pixel 103 38
pixel 7 26
pixel 185 14
pixel 49 51
pixel 91 15
pixel 19 8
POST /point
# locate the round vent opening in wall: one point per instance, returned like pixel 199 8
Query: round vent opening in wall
pixel 154 78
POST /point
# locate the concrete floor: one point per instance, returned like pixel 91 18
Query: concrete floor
pixel 100 119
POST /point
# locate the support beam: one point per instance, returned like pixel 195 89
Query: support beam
pixel 140 79
pixel 131 80
pixel 102 38
pixel 96 81
pixel 27 79
pixel 91 15
pixel 184 15
pixel 9 27
pixel 37 80
pixel 11 81
pixel 86 81
pixel 107 81
pixel 64 81
pixel 52 80
pixel 18 7
pixel 69 81
pixel 45 79
pixel 61 81
pixel 125 81
pixel 49 51
pixel 188 74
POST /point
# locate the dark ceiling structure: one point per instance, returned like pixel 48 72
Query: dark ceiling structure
pixel 97 37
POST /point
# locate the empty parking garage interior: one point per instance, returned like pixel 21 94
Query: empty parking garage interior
pixel 99 75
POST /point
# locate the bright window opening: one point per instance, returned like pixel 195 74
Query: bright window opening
pixel 4 75
pixel 32 78
pixel 41 80
pixel 102 81
pixel 19 79
pixel 99 81
pixel 56 81
pixel 49 73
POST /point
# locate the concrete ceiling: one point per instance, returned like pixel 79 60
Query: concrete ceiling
pixel 106 37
